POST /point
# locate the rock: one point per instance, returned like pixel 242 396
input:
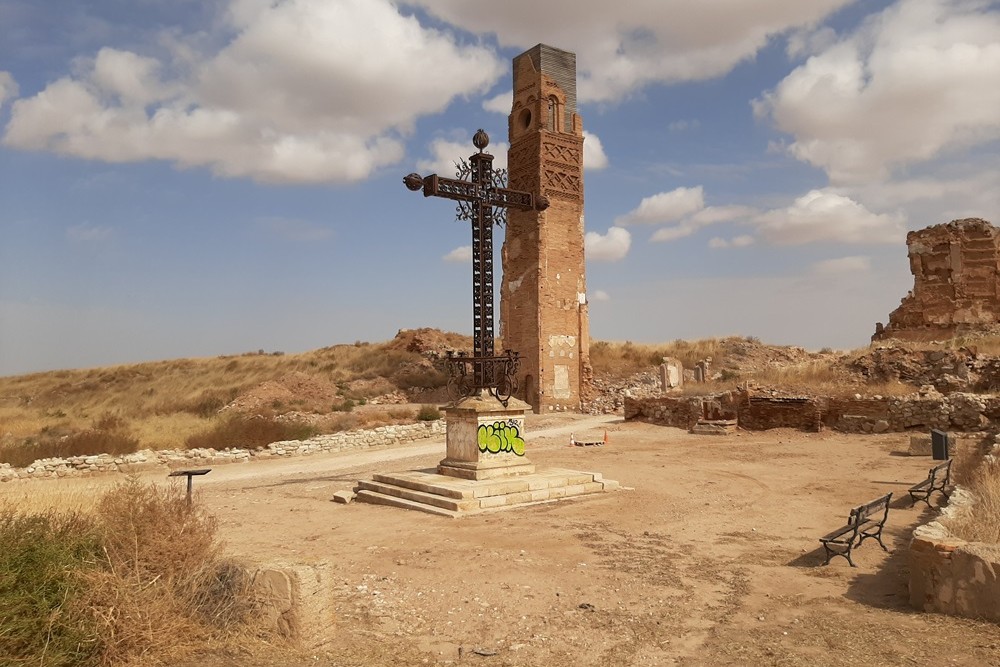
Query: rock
pixel 881 426
pixel 343 497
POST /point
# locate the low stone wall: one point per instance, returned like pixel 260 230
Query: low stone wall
pixel 928 410
pixel 760 413
pixel 76 466
pixel 680 412
pixel 951 576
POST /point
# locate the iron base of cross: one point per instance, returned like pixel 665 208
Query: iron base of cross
pixel 472 375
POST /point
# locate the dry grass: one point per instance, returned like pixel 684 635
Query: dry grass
pixel 249 433
pixel 622 359
pixel 166 403
pixel 108 434
pixel 982 522
pixel 138 579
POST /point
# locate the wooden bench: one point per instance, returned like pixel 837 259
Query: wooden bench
pixel 938 478
pixel 864 521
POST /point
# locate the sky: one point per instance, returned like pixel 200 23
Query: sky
pixel 191 178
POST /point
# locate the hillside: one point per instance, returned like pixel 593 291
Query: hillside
pixel 256 396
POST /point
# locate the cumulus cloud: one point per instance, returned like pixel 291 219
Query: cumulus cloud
pixel 665 207
pixel 446 151
pixel 8 87
pixel 841 265
pixel 823 215
pixel 460 255
pixel 600 295
pixel 501 103
pixel 740 241
pixel 593 152
pixel 288 98
pixel 624 46
pixel 609 247
pixel 913 82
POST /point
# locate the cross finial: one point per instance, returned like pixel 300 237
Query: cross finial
pixel 481 140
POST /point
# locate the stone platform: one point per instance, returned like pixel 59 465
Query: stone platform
pixel 446 495
pixel 715 427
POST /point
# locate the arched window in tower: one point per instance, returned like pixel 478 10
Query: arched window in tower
pixel 552 117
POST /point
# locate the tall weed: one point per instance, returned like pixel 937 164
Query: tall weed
pixel 138 579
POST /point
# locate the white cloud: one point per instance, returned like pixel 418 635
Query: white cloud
pixel 701 218
pixel 610 247
pixel 810 40
pixel 915 81
pixel 593 152
pixel 86 233
pixel 8 87
pixel 740 241
pixel 823 215
pixel 600 295
pixel 713 214
pixel 623 46
pixel 288 99
pixel 501 103
pixel 446 151
pixel 843 265
pixel 460 255
pixel 295 230
pixel 665 207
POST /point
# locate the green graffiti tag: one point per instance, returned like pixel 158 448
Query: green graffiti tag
pixel 501 437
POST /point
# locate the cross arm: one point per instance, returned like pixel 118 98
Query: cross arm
pixel 524 201
pixel 438 186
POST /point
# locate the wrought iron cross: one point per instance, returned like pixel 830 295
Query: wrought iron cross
pixel 478 196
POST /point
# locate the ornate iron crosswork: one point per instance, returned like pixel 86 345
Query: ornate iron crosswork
pixel 482 200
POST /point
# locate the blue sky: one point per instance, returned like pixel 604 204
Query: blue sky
pixel 198 177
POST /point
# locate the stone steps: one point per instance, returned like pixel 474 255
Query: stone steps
pixel 427 491
pixel 376 498
pixel 427 498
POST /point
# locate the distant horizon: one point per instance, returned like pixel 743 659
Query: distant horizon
pixel 183 179
pixel 277 352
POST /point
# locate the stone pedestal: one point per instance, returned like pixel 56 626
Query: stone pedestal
pixel 485 439
pixel 485 468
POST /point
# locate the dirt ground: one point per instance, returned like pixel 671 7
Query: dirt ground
pixel 707 557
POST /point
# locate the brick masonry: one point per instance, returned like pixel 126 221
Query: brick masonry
pixel 543 297
pixel 956 282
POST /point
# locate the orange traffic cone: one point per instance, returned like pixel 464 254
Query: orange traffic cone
pixel 605 436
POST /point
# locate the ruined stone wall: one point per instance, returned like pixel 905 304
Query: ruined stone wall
pixel 956 288
pixel 680 412
pixel 543 302
pixel 958 412
pixel 760 413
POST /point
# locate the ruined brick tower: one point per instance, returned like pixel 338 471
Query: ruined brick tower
pixel 956 283
pixel 543 298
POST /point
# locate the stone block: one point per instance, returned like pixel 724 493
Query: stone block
pixel 343 497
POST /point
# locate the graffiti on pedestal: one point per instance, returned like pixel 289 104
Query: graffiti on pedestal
pixel 501 437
